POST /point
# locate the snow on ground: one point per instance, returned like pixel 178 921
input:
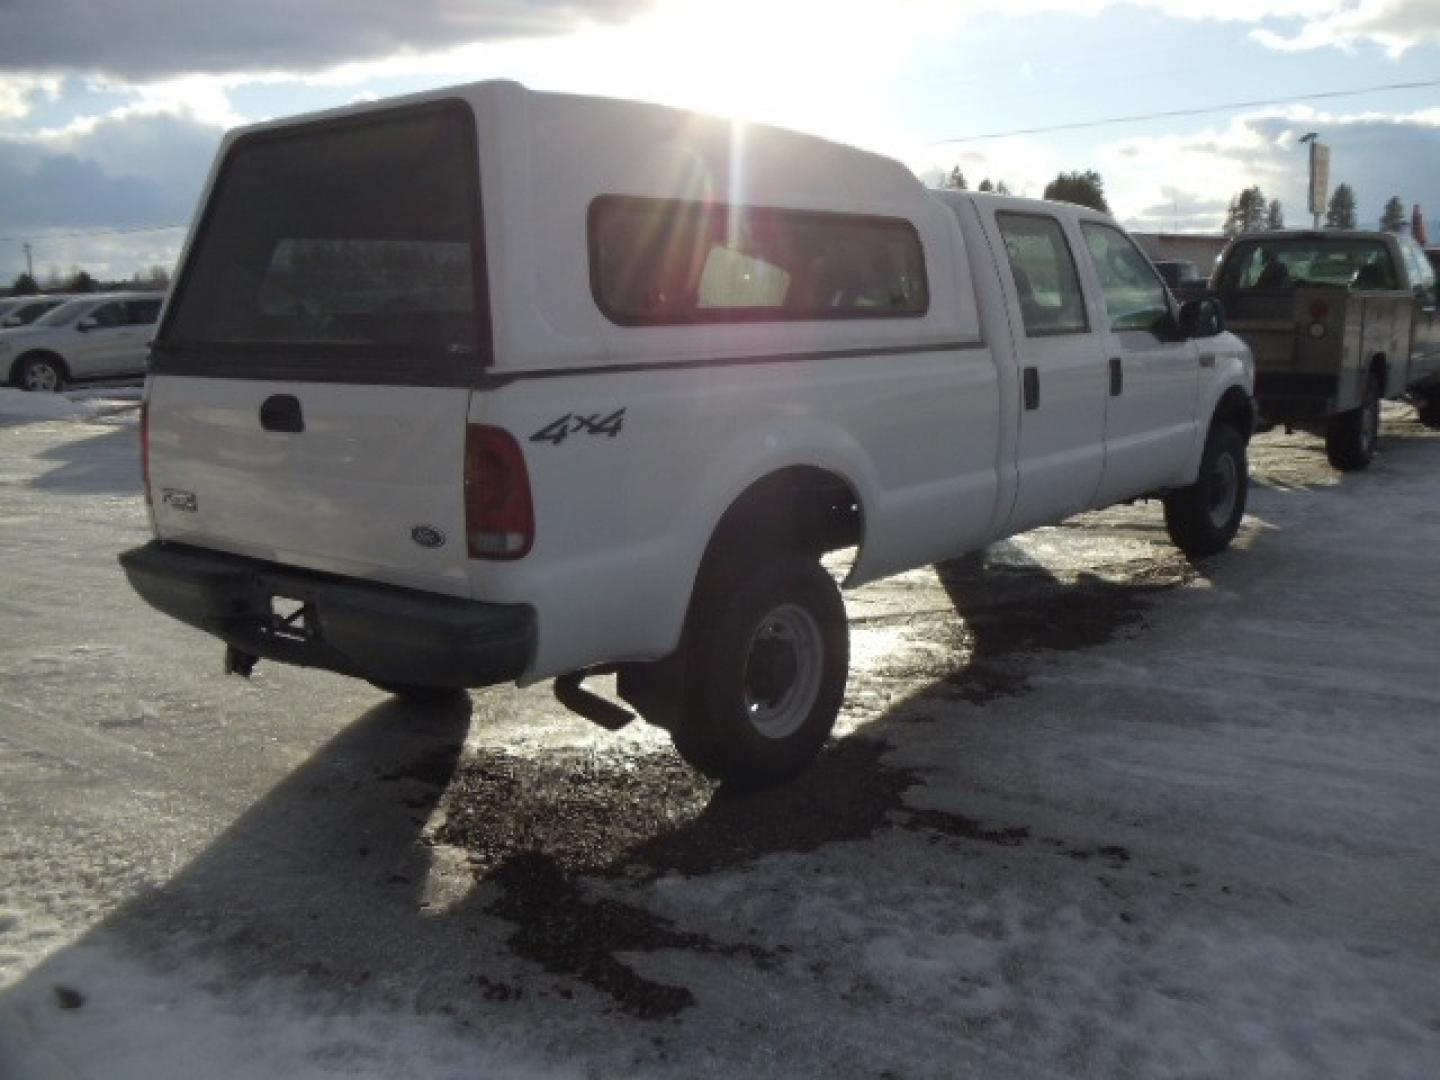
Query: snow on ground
pixel 20 405
pixel 1094 812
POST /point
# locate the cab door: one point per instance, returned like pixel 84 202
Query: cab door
pixel 1152 378
pixel 1425 339
pixel 1060 448
pixel 100 341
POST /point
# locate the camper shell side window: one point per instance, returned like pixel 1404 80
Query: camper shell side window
pixel 657 262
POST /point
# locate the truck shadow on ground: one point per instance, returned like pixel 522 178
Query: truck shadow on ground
pixel 328 878
pixel 107 463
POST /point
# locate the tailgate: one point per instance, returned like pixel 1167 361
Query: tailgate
pixel 311 378
pixel 370 486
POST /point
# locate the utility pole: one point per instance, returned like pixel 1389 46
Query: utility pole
pixel 29 263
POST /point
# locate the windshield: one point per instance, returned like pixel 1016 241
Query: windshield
pixel 65 314
pixel 349 236
pixel 1279 264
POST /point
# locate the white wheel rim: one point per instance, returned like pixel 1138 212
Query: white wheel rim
pixel 41 377
pixel 783 668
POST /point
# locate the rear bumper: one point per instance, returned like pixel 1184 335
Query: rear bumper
pixel 359 628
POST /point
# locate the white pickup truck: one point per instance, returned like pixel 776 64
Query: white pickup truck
pixel 489 385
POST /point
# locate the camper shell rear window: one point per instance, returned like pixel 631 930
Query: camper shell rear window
pixel 343 250
pixel 670 261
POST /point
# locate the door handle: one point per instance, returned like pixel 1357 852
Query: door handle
pixel 281 412
pixel 1117 376
pixel 1207 359
pixel 1032 388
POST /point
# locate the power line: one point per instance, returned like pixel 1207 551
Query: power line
pixel 90 232
pixel 1171 114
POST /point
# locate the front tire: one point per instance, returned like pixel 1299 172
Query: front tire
pixel 40 374
pixel 1351 437
pixel 1202 519
pixel 766 663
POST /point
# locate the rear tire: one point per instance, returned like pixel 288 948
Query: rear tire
pixel 40 374
pixel 1427 408
pixel 1202 519
pixel 420 695
pixel 766 663
pixel 1351 437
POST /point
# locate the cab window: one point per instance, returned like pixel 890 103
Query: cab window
pixel 1135 297
pixel 1043 268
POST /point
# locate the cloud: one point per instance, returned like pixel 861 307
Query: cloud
pixel 120 171
pixel 17 92
pixel 1395 25
pixel 1377 155
pixel 150 40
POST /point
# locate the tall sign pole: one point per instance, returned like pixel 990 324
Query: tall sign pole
pixel 1319 174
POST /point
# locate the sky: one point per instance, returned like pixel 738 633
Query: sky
pixel 110 114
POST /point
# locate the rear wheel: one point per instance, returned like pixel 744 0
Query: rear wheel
pixel 1202 519
pixel 40 374
pixel 420 695
pixel 1351 437
pixel 1427 408
pixel 766 663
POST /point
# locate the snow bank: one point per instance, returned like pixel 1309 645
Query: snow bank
pixel 76 405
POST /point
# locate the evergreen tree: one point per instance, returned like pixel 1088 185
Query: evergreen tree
pixel 1274 216
pixel 955 180
pixel 1247 212
pixel 1083 188
pixel 1341 214
pixel 24 285
pixel 986 185
pixel 1393 219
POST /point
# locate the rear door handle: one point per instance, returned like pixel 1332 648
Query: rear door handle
pixel 282 413
pixel 1117 376
pixel 1032 388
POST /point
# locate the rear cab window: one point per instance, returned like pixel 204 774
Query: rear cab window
pixel 1043 268
pixel 342 250
pixel 1262 264
pixel 666 261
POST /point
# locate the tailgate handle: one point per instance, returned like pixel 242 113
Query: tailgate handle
pixel 282 413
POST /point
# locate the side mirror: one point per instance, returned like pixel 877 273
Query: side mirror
pixel 87 323
pixel 1201 318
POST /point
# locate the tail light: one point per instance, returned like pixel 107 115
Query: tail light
pixel 1319 311
pixel 499 514
pixel 145 457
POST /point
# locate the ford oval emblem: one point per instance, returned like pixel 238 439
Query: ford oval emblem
pixel 427 536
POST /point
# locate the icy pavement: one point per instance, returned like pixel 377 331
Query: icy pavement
pixel 1093 811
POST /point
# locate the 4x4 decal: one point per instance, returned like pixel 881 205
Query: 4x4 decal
pixel 557 431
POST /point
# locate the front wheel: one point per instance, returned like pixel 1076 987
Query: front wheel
pixel 766 664
pixel 1202 519
pixel 40 374
pixel 1351 437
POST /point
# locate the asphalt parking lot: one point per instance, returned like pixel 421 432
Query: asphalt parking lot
pixel 1092 810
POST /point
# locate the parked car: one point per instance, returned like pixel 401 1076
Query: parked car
pixel 610 417
pixel 1337 322
pixel 1178 272
pixel 24 310
pixel 99 336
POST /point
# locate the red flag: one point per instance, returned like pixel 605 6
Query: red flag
pixel 1417 226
